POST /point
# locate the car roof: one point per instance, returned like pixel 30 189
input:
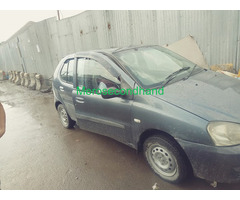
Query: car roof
pixel 113 50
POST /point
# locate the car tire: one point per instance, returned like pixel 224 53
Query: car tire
pixel 66 121
pixel 166 158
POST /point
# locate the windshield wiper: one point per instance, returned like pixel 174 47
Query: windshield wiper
pixel 173 75
pixel 190 72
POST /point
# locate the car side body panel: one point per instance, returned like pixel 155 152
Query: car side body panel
pixel 152 113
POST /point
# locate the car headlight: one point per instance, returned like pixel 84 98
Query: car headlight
pixel 224 133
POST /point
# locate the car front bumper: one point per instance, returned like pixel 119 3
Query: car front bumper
pixel 221 164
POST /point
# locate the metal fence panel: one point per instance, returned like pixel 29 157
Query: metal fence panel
pixel 41 45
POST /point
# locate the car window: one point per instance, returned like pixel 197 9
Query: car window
pixel 70 71
pixel 80 65
pixel 152 65
pixel 95 75
pixel 63 73
pixel 66 73
pixel 156 63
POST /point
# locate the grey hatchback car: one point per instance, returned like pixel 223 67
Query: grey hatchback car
pixel 184 118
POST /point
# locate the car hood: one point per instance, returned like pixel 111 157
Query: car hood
pixel 208 94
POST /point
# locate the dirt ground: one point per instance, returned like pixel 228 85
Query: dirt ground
pixel 36 152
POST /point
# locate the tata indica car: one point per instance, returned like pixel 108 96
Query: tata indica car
pixel 184 118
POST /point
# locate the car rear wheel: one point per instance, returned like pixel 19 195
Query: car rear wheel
pixel 66 121
pixel 166 158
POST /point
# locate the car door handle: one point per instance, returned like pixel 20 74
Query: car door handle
pixel 79 99
pixel 61 88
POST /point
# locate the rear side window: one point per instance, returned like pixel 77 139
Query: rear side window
pixel 70 71
pixel 66 73
pixel 80 65
pixel 63 73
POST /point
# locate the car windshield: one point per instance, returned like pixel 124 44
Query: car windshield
pixel 152 65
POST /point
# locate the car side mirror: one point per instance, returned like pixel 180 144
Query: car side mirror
pixel 111 92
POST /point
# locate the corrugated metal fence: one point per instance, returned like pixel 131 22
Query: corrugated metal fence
pixel 41 45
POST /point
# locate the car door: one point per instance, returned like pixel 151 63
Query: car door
pixel 66 86
pixel 109 117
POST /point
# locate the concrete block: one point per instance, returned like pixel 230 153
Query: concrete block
pixel 32 85
pixel 17 80
pixel 26 79
pixel 39 81
pixel 14 76
pixel 10 75
pixel 22 78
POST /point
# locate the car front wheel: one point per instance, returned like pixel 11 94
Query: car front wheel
pixel 66 121
pixel 166 158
